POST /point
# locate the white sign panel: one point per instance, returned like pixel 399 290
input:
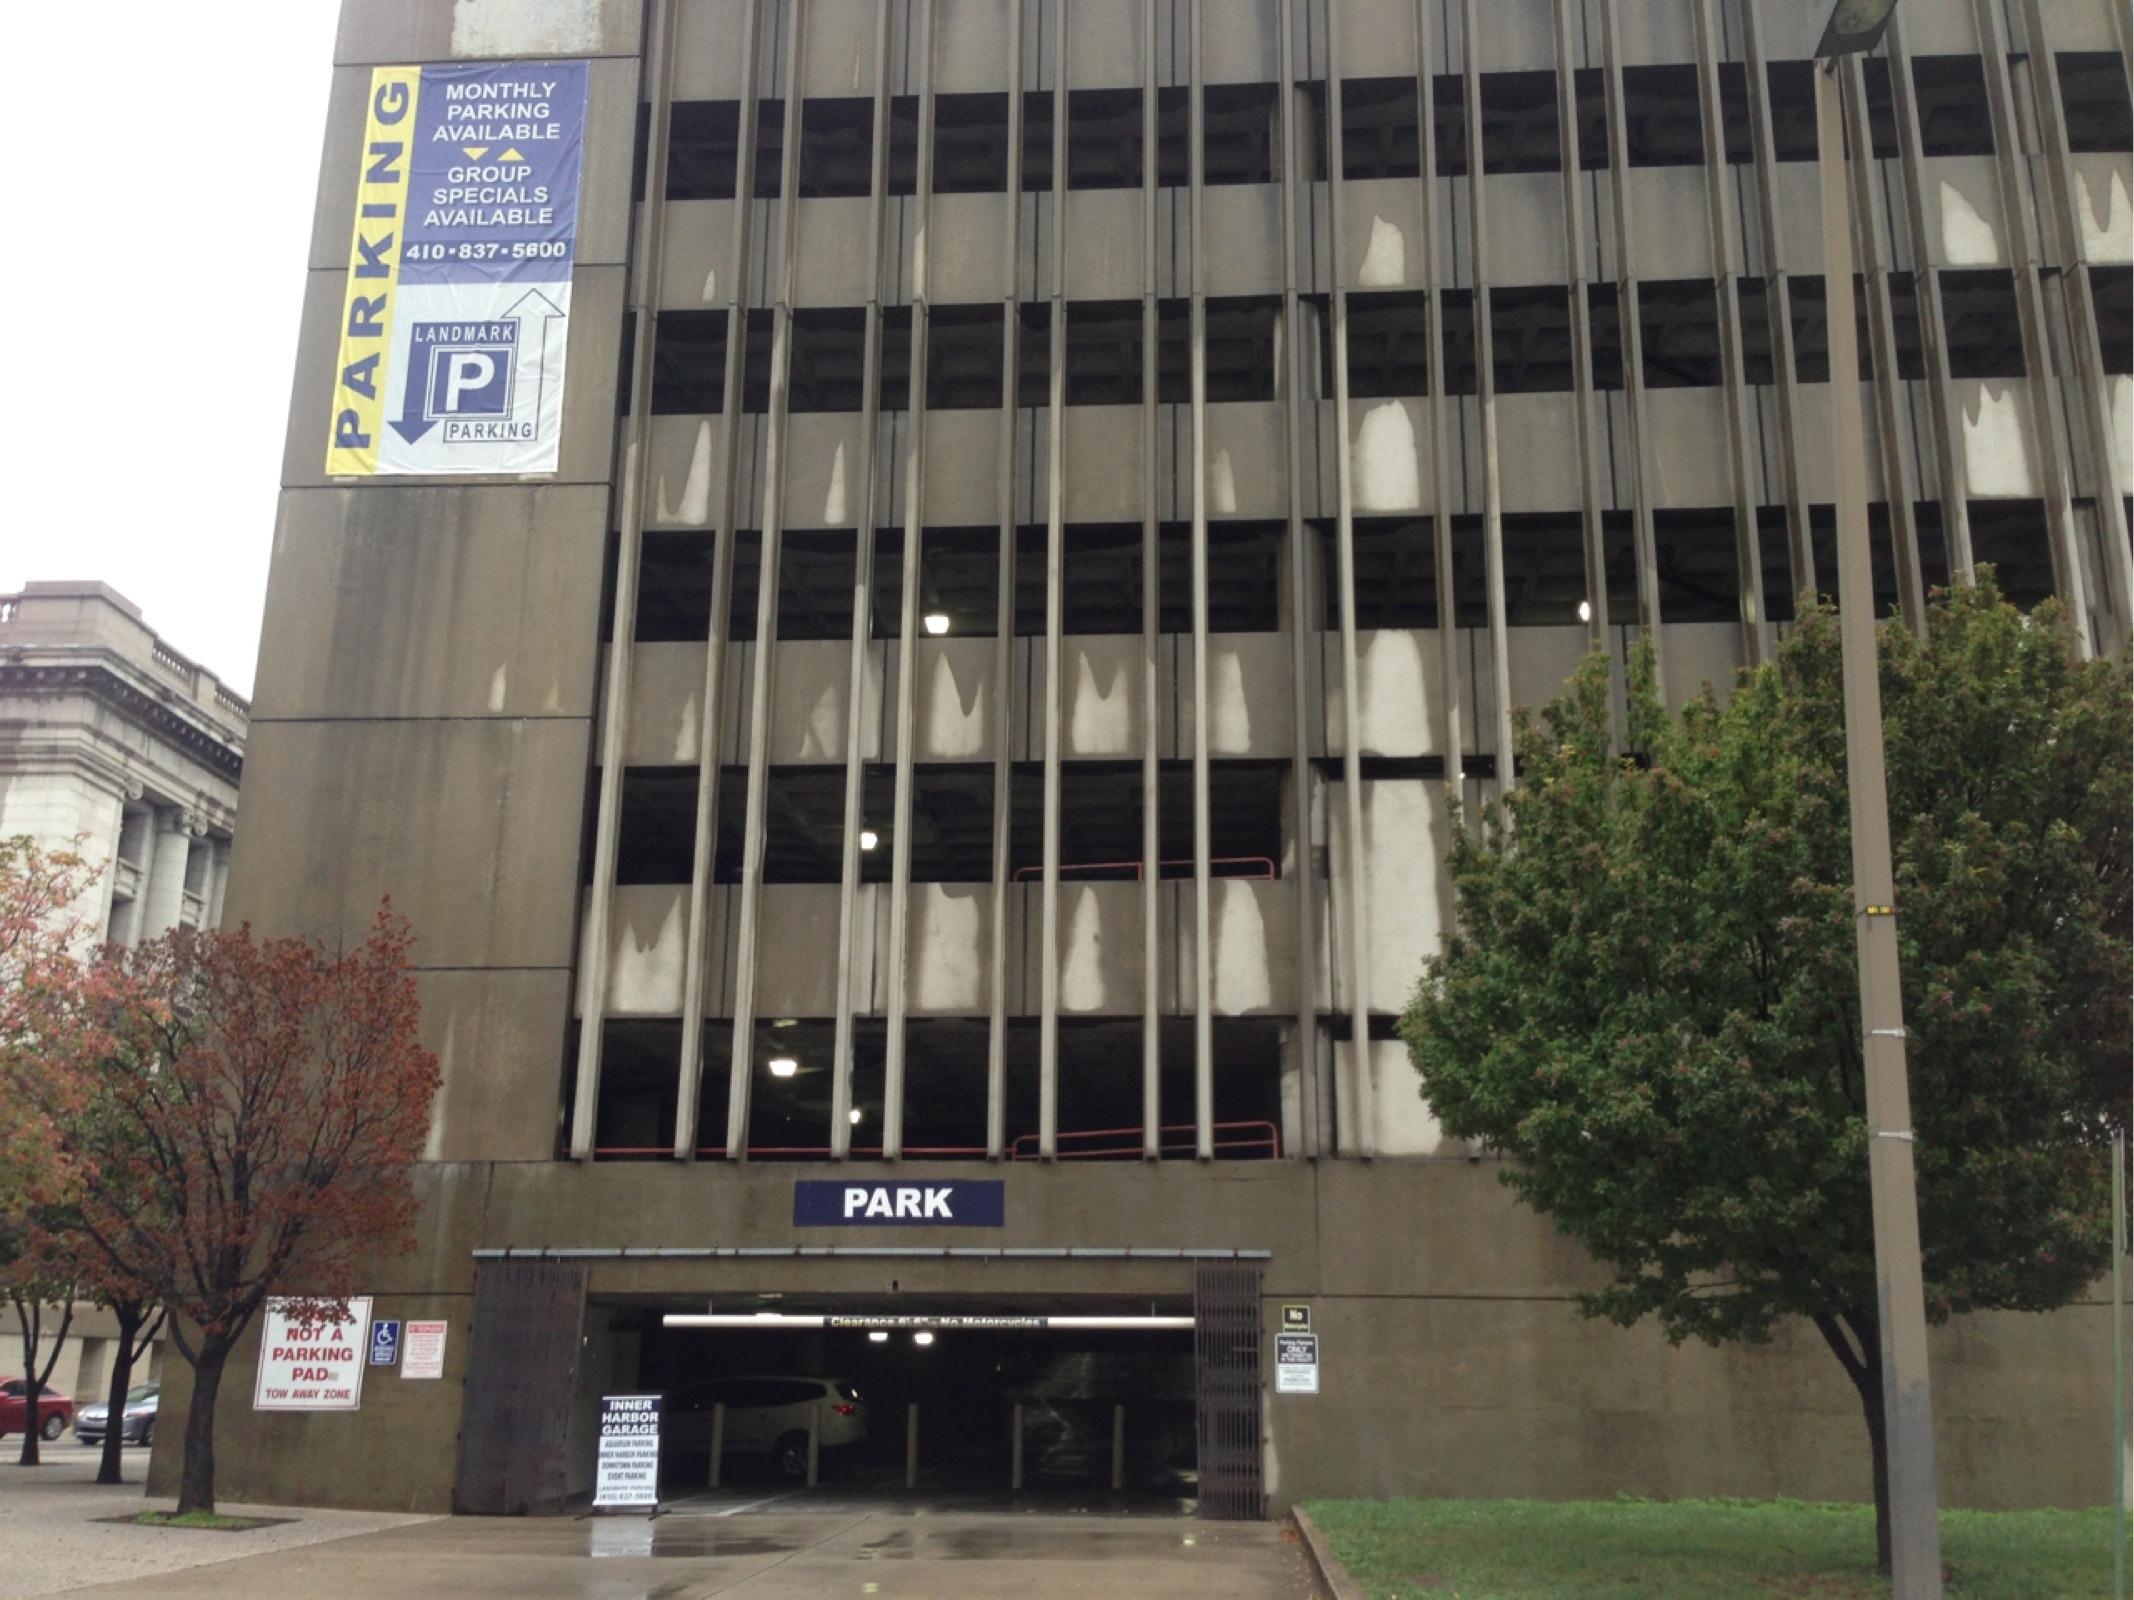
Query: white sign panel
pixel 1296 1368
pixel 422 1352
pixel 311 1366
pixel 628 1469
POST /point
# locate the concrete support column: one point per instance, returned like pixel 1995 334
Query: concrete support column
pixel 126 919
pixel 218 880
pixel 162 896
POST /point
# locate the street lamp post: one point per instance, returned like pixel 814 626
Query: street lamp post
pixel 1850 27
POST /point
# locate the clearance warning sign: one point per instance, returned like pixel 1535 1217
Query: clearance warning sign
pixel 311 1365
pixel 458 305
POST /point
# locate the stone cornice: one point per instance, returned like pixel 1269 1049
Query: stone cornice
pixel 103 684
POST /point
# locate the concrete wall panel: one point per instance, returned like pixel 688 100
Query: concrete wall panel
pixel 707 56
pixel 500 1039
pixel 1377 38
pixel 1517 36
pixel 966 259
pixel 951 950
pixel 1252 925
pixel 434 601
pixel 1406 834
pixel 472 827
pixel 1241 42
pixel 647 963
pixel 1962 195
pixel 1243 226
pixel 1526 237
pixel 666 705
pixel 1538 451
pixel 1250 708
pixel 962 467
pixel 837 53
pixel 1103 45
pixel 1689 448
pixel 2104 215
pixel 1114 436
pixel 797 951
pixel 384 32
pixel 1103 244
pixel 1400 680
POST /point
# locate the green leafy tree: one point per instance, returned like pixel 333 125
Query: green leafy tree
pixel 1651 1006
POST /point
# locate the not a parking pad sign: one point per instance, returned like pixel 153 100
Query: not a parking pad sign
pixel 311 1365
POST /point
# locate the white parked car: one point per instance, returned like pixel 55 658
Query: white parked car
pixel 766 1416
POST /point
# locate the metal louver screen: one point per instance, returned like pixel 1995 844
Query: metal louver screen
pixel 522 1370
pixel 1226 1350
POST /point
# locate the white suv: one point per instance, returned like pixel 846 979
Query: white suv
pixel 766 1415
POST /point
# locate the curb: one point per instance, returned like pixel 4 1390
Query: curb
pixel 1332 1574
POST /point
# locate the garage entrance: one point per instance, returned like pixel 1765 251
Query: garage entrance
pixel 963 1401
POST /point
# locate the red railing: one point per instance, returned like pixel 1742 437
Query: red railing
pixel 625 1152
pixel 1263 1137
pixel 1265 863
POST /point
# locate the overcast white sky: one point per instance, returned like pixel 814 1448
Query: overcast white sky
pixel 159 211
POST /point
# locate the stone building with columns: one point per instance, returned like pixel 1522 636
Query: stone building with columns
pixel 115 745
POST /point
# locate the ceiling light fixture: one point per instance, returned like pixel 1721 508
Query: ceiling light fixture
pixel 783 1066
pixel 878 1336
pixel 922 1338
pixel 937 622
pixel 869 838
pixel 1585 611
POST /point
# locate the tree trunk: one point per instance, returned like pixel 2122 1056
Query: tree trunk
pixel 196 1484
pixel 1854 1339
pixel 130 1317
pixel 29 1319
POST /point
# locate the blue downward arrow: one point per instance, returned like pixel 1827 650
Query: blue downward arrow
pixel 410 431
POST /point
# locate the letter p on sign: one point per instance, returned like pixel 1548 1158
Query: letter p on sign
pixel 855 1201
pixel 471 372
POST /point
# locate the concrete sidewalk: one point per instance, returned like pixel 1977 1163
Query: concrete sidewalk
pixel 775 1556
pixel 53 1539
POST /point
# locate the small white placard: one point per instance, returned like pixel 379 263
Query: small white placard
pixel 422 1350
pixel 1296 1363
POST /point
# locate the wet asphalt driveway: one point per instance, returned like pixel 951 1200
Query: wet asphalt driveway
pixel 770 1553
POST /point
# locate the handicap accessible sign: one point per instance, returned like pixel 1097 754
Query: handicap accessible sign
pixel 384 1343
pixel 457 309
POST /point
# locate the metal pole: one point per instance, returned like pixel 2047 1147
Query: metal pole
pixel 1915 1537
pixel 911 1445
pixel 718 1440
pixel 1118 1448
pixel 814 1443
pixel 2121 1506
pixel 1015 1457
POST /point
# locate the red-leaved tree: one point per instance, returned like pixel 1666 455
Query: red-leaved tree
pixel 245 1112
pixel 40 892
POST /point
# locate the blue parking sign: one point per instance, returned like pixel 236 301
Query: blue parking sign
pixel 384 1344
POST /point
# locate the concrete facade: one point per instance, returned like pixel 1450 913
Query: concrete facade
pixel 114 745
pixel 841 724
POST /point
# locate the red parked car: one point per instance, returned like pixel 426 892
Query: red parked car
pixel 54 1411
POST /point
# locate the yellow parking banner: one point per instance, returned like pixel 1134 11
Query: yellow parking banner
pixel 373 273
